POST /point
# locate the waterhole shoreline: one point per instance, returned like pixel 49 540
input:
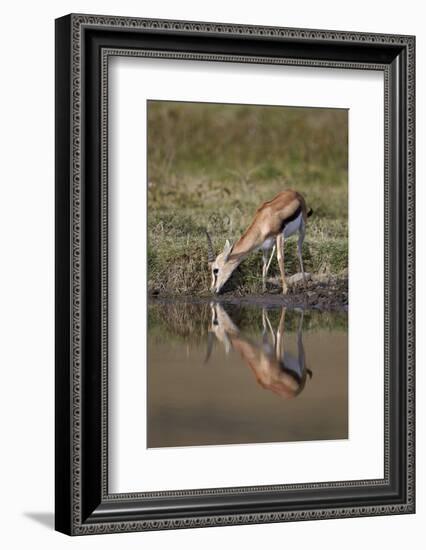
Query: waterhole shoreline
pixel 331 295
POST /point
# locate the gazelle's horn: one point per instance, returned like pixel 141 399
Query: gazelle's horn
pixel 210 252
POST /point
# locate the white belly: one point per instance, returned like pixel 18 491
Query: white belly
pixel 269 243
pixel 291 228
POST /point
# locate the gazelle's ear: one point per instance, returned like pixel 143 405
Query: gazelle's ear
pixel 227 250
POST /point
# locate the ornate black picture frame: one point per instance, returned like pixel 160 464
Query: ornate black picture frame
pixel 83 45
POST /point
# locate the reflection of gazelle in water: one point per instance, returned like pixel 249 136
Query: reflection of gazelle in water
pixel 275 369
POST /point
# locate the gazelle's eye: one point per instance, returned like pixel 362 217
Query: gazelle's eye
pixel 215 271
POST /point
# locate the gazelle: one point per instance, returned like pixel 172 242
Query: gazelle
pixel 275 369
pixel 274 221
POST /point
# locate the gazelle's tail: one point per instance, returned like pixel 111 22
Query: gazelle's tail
pixel 309 213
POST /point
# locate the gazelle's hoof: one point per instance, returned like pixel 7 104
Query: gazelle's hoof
pixel 285 290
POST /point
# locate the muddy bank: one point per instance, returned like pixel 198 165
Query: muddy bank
pixel 328 293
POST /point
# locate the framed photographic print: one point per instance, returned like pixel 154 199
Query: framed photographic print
pixel 234 274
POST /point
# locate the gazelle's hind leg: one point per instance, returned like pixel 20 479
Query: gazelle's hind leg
pixel 300 347
pixel 280 256
pixel 266 265
pixel 299 249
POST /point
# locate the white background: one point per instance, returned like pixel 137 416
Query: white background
pixel 27 245
pixel 132 80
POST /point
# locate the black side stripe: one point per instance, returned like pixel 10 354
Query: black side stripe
pixel 292 217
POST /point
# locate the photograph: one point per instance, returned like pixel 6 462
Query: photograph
pixel 248 273
pixel 234 272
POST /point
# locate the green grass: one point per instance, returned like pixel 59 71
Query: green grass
pixel 210 166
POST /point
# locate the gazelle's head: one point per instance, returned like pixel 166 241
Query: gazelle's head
pixel 221 266
pixel 222 327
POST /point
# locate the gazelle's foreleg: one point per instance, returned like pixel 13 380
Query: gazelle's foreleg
pixel 279 349
pixel 266 323
pixel 270 259
pixel 299 249
pixel 280 256
pixel 266 265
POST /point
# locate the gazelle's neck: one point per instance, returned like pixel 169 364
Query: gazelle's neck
pixel 248 242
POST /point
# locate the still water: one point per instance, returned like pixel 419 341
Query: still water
pixel 227 374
